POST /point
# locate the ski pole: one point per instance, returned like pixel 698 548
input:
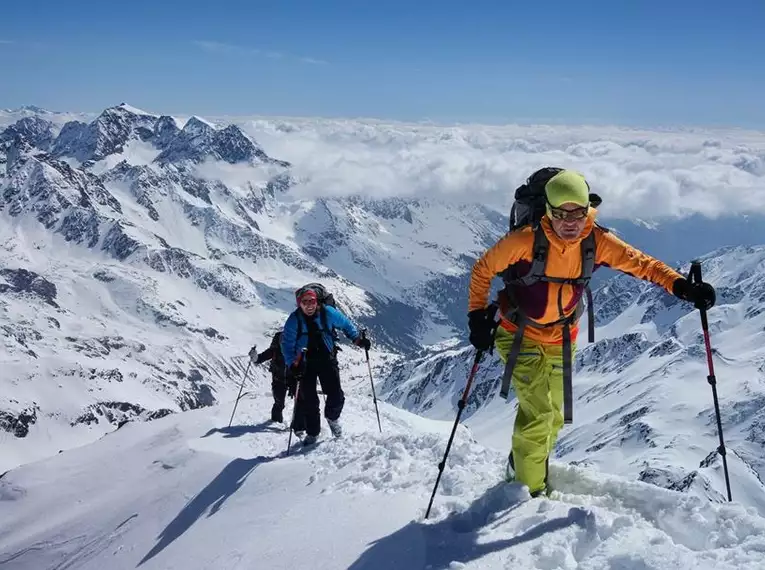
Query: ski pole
pixel 301 359
pixel 236 402
pixel 460 406
pixel 694 277
pixel 369 367
pixel 294 414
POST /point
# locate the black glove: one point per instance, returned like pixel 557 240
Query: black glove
pixel 702 295
pixel 254 354
pixel 482 325
pixel 363 342
pixel 292 378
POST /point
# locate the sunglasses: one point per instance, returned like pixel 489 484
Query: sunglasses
pixel 575 214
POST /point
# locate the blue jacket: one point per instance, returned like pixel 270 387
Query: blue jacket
pixel 292 345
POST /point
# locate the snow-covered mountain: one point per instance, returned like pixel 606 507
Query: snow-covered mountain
pixel 143 254
pixel 140 255
pixel 58 118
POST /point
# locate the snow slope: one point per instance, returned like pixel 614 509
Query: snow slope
pixel 186 492
pixel 643 408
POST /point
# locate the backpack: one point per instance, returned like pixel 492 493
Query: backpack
pixel 530 199
pixel 276 365
pixel 324 298
pixel 322 295
pixel 528 208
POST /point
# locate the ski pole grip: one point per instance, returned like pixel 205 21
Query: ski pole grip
pixel 493 312
pixel 364 336
pixel 694 276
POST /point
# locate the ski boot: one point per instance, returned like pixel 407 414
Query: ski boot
pixel 335 427
pixel 510 469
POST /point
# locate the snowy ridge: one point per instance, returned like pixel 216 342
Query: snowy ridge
pixel 56 118
pixel 187 492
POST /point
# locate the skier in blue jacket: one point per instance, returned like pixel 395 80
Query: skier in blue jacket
pixel 311 326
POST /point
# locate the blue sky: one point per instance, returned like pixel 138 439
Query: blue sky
pixel 637 63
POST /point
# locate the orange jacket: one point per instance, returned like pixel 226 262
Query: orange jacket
pixel 540 301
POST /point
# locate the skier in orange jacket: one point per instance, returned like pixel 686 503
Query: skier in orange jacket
pixel 549 310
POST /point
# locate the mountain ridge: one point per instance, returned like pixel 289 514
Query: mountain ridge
pixel 137 283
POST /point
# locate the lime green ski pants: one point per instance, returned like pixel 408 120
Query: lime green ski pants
pixel 538 386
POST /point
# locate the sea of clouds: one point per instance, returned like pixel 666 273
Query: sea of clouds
pixel 639 173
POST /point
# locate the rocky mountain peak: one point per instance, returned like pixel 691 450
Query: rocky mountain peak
pixel 37 131
pixel 106 134
pixel 198 141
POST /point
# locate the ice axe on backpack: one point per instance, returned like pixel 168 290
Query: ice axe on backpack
pixel 694 277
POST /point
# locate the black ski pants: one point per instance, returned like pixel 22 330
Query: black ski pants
pixel 279 393
pixel 308 416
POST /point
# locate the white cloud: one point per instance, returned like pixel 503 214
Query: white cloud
pixel 639 173
pixel 218 47
pixel 231 49
pixel 237 176
pixel 313 61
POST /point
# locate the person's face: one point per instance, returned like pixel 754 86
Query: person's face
pixel 569 220
pixel 308 305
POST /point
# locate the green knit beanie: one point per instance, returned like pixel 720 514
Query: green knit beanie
pixel 567 186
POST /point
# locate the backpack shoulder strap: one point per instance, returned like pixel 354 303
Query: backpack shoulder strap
pixel 538 263
pixel 325 322
pixel 588 257
pixel 538 258
pixel 299 325
pixel 588 266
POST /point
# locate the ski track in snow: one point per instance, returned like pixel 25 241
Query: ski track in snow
pixel 187 492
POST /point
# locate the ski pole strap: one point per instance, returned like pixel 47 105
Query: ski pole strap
pixel 568 405
pixel 512 358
